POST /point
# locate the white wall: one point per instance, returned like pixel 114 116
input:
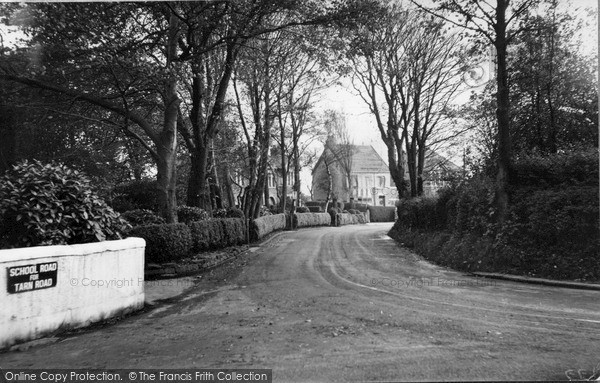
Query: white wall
pixel 94 281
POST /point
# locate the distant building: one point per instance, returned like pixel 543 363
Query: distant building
pixel 370 179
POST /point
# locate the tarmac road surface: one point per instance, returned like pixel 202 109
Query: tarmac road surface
pixel 345 304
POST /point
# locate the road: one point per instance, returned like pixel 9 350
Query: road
pixel 346 304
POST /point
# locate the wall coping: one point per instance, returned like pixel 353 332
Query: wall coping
pixel 35 252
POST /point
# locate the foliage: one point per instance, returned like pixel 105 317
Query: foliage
pixel 311 219
pixel 564 168
pixel 51 204
pixel 140 217
pixel 217 233
pixel 234 212
pixel 267 224
pixel 264 211
pixel 551 230
pixel 187 214
pixel 165 243
pixel 302 209
pixel 134 195
pixel 382 213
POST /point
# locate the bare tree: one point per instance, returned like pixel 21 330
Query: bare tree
pixel 492 21
pixel 410 69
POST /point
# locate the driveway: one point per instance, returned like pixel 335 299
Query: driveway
pixel 345 304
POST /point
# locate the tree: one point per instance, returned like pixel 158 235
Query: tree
pixel 553 85
pixel 410 69
pixel 494 22
pixel 133 48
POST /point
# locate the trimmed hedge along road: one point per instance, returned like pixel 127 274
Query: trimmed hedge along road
pixel 173 242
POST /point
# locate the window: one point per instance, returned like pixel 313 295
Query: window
pixel 271 181
pixel 355 181
pixel 290 179
pixel 381 181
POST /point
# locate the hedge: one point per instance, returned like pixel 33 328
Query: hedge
pixel 311 219
pixel 217 233
pixel 166 242
pixel 382 213
pixel 346 219
pixel 267 224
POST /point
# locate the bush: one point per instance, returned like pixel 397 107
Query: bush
pixel 302 209
pixel 219 213
pixel 267 224
pixel 346 219
pixel 573 167
pixel 142 217
pixel 165 243
pixel 234 212
pixel 217 233
pixel 188 214
pixel 311 219
pixel 134 195
pixel 315 209
pixel 53 205
pixel 382 213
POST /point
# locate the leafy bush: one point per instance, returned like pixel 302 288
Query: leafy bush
pixel 353 211
pixel 53 205
pixel 382 213
pixel 187 214
pixel 311 219
pixel 574 167
pixel 217 233
pixel 165 243
pixel 134 195
pixel 141 217
pixel 234 212
pixel 302 209
pixel 315 209
pixel 346 219
pixel 234 230
pixel 267 224
pixel 219 213
pixel 264 211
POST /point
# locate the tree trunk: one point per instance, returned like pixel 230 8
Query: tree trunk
pixel 502 113
pixel 420 169
pixel 8 141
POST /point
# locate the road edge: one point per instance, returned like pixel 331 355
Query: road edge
pixel 539 281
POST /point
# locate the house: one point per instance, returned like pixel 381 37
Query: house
pixel 370 179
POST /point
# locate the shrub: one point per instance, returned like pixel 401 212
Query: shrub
pixel 165 243
pixel 382 213
pixel 187 214
pixel 267 224
pixel 217 233
pixel 311 219
pixel 315 209
pixel 219 213
pixel 141 217
pixel 234 230
pixel 264 211
pixel 573 167
pixel 234 212
pixel 346 219
pixel 133 195
pixel 302 209
pixel 353 211
pixel 53 205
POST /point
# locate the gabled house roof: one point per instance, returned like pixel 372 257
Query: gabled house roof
pixel 365 159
